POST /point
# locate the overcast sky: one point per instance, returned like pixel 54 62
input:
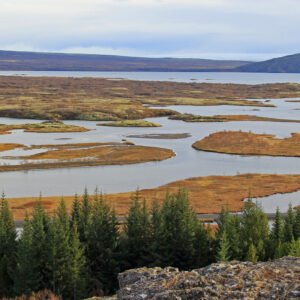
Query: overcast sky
pixel 231 29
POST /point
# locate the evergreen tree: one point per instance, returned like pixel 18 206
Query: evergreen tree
pixel 277 235
pixel 40 273
pixel 223 250
pixel 102 249
pixel 231 225
pixel 24 275
pixel 60 252
pixel 251 254
pixel 75 212
pixel 203 246
pixel 179 224
pixel 156 235
pixel 78 272
pixel 297 223
pixel 254 230
pixel 8 249
pixel 289 226
pixel 84 216
pixel 137 234
pixel 294 249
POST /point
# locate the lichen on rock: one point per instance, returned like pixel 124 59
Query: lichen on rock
pixel 279 279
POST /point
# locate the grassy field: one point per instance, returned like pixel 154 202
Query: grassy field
pixel 226 118
pixel 131 123
pixel 44 127
pixel 55 98
pixel 247 143
pixel 207 194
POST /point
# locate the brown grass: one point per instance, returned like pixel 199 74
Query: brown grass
pixel 246 143
pixel 118 154
pixel 227 118
pixel 6 147
pixel 44 127
pixel 102 99
pixel 207 194
pixel 131 123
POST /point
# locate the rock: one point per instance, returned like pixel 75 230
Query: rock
pixel 103 298
pixel 279 279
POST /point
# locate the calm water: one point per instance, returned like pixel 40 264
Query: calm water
pixel 213 77
pixel 187 163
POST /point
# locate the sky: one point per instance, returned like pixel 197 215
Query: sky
pixel 217 29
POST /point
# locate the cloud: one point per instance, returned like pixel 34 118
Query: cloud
pixel 246 28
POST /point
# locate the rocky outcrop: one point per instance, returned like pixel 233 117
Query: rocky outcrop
pixel 279 279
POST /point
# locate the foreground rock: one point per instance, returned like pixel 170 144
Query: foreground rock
pixel 279 279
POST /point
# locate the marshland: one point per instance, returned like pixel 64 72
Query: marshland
pixel 149 129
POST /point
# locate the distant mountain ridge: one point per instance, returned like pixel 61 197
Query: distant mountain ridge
pixel 40 61
pixel 285 64
pixel 43 61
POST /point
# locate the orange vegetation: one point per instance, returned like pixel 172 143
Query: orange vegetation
pixel 5 147
pixel 118 154
pixel 44 127
pixel 207 194
pixel 111 154
pixel 247 143
pixel 227 118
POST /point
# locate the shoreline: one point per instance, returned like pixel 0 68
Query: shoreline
pixel 208 194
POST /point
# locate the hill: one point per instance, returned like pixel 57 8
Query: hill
pixel 285 64
pixel 39 61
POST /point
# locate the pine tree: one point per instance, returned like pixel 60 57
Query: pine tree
pixel 156 235
pixel 277 235
pixel 289 226
pixel 294 248
pixel 297 223
pixel 137 234
pixel 84 216
pixel 223 250
pixel 231 225
pixel 101 249
pixel 24 275
pixel 78 270
pixel 75 212
pixel 40 273
pixel 251 254
pixel 60 252
pixel 179 224
pixel 8 249
pixel 254 230
pixel 203 246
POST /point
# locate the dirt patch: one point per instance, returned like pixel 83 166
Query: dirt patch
pixel 207 194
pixel 246 143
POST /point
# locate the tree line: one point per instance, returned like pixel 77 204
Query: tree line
pixel 79 254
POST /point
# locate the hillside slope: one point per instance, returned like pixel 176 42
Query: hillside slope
pixel 285 64
pixel 34 61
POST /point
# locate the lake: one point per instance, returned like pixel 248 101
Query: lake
pixel 208 77
pixel 188 162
